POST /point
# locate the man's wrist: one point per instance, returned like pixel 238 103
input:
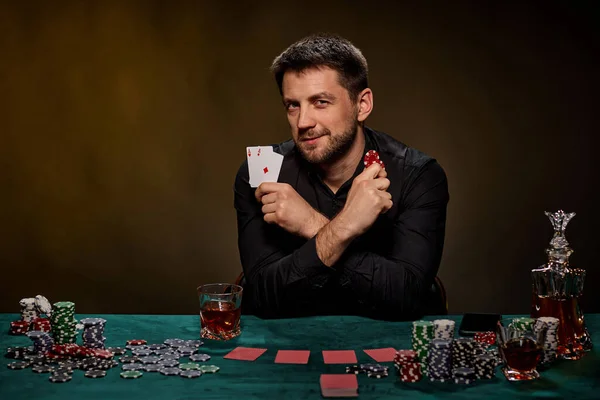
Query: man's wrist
pixel 332 241
pixel 315 224
pixel 343 227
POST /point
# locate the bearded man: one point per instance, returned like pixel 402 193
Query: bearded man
pixel 332 237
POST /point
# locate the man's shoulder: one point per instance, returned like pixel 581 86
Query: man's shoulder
pixel 398 152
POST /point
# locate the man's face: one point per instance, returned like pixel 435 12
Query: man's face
pixel 321 115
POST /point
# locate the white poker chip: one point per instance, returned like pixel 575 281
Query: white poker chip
pixel 43 305
pixel 27 303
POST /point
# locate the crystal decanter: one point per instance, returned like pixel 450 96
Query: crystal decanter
pixel 557 291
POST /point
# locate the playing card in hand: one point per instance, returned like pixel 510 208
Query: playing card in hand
pixel 263 164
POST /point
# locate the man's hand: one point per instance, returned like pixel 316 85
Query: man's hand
pixel 283 206
pixel 367 199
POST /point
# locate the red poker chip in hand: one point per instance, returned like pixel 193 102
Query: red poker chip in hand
pixel 372 157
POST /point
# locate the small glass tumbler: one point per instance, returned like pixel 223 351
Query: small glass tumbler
pixel 521 348
pixel 220 310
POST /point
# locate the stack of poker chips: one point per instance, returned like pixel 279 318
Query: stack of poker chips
pixel 479 348
pixel 439 360
pixel 372 370
pixel 463 350
pixel 42 341
pixel 29 311
pixel 405 362
pixel 18 353
pixel 41 324
pixel 93 332
pixel 550 324
pixel 19 327
pixel 42 305
pixel 523 324
pixel 443 329
pixel 422 335
pixel 63 322
pixel 488 338
pixel 494 352
pixel 464 376
pixel 484 366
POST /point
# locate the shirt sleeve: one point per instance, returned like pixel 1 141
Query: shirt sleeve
pixel 277 265
pixel 395 285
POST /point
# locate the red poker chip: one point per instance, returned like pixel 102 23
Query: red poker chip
pixel 405 356
pixel 72 349
pixel 85 352
pixel 101 353
pixel 59 349
pixel 485 337
pixel 19 327
pixel 42 324
pixel 410 372
pixel 136 342
pixel 372 157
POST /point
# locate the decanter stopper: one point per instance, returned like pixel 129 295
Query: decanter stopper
pixel 559 250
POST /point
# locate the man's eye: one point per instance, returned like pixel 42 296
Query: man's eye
pixel 291 106
pixel 322 102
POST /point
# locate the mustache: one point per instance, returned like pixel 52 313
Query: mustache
pixel 312 134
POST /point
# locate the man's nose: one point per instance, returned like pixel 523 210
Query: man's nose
pixel 305 119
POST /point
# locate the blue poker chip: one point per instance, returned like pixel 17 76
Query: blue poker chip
pixel 57 370
pixel 141 353
pixel 170 371
pixel 163 351
pixel 150 360
pixel 199 357
pixel 353 369
pixel 377 375
pixel 42 369
pixel 193 343
pixel 174 342
pixel 170 356
pixel 168 363
pixel 190 373
pixel 35 334
pixel 117 351
pixel 132 367
pixel 95 373
pixel 60 378
pixel 186 351
pixel 153 367
pixel 92 321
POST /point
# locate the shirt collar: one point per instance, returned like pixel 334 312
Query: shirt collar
pixel 313 171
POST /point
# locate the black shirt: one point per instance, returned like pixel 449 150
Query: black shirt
pixel 385 273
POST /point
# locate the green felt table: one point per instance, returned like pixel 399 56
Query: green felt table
pixel 263 379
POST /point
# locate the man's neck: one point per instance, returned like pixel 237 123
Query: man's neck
pixel 336 174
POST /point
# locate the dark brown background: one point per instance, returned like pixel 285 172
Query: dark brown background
pixel 123 125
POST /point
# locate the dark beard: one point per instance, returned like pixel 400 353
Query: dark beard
pixel 337 148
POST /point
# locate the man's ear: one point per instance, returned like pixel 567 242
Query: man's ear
pixel 365 104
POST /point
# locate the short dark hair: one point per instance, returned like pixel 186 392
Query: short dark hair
pixel 325 50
